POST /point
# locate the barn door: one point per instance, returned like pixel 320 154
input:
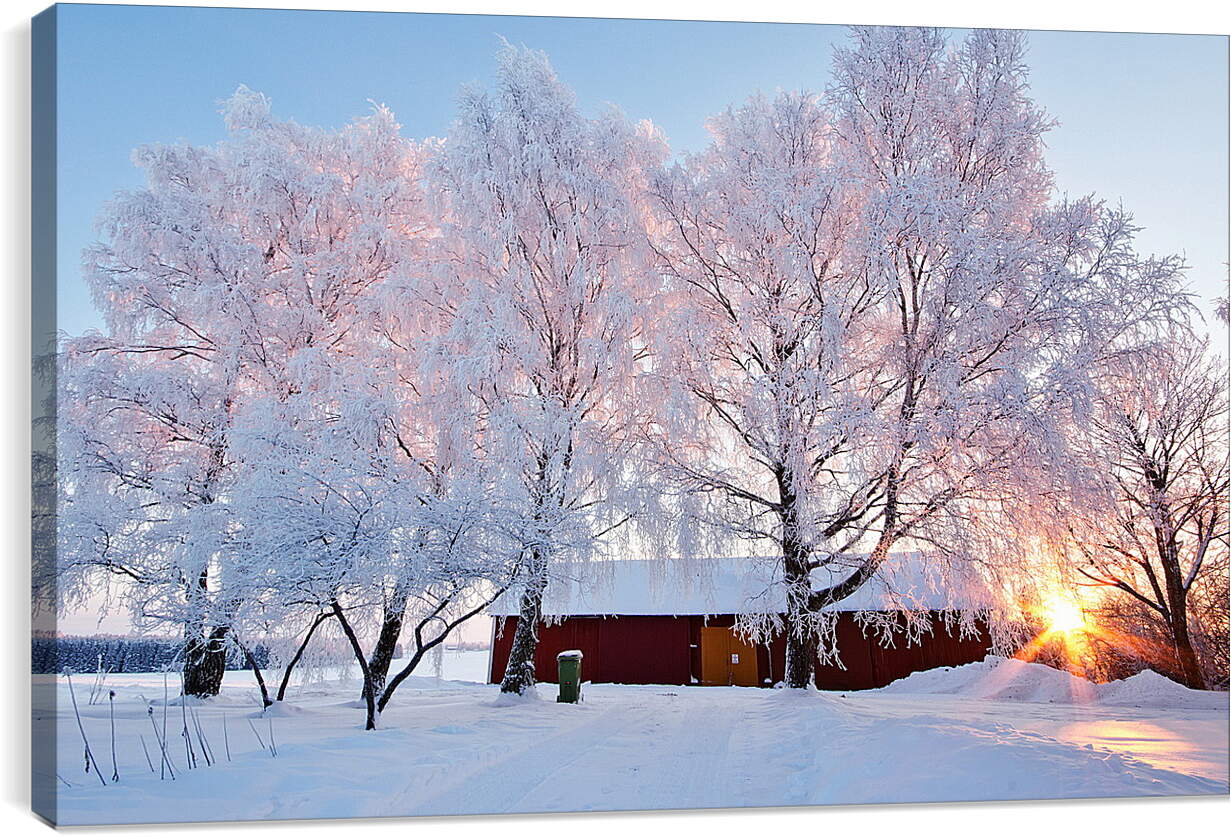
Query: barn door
pixel 726 659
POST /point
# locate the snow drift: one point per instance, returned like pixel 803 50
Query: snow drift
pixel 1009 679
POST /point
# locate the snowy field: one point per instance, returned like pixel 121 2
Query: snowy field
pixel 995 730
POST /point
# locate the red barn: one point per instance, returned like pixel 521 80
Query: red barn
pixel 654 622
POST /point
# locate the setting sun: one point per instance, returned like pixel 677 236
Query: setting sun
pixel 1063 615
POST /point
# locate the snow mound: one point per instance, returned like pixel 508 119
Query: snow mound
pixel 1009 679
pixel 280 710
pixel 530 696
pixel 998 678
pixel 1149 689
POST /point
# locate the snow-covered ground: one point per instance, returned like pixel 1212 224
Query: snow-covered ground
pixel 996 730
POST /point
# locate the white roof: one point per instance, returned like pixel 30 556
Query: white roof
pixel 678 587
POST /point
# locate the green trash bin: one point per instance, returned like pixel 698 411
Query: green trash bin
pixel 568 665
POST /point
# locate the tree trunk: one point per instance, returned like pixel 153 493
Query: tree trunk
pixel 800 660
pixel 519 673
pixel 800 637
pixel 386 642
pixel 1189 667
pixel 256 671
pixel 205 662
pixel 205 655
pixel 422 648
pixel 369 695
pixel 286 673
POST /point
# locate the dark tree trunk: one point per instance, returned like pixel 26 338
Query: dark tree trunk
pixel 422 647
pixel 519 672
pixel 205 655
pixel 387 641
pixel 805 604
pixel 256 671
pixel 369 695
pixel 800 659
pixel 1186 657
pixel 1188 667
pixel 800 638
pixel 286 673
pixel 800 634
pixel 205 662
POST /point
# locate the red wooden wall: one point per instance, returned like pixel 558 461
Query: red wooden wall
pixel 866 664
pixel 666 650
pixel 617 650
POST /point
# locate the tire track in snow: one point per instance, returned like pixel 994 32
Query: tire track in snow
pixel 499 786
pixel 695 760
pixel 655 752
pixel 674 754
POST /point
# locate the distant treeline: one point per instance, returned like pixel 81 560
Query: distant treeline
pixel 52 653
pixel 468 646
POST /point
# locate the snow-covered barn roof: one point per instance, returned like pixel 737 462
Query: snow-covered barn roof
pixel 671 587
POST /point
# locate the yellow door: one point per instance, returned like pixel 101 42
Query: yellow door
pixel 727 659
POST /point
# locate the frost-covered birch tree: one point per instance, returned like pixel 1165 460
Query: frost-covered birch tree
pixel 218 280
pixel 140 466
pixel 374 511
pixel 1153 532
pixel 541 246
pixel 889 316
pixel 763 345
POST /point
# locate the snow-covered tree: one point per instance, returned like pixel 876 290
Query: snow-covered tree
pixel 217 280
pixel 880 318
pixel 350 522
pixel 764 339
pixel 1154 531
pixel 541 249
pixel 140 466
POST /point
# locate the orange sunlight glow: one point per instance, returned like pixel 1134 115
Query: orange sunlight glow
pixel 1063 615
pixel 1064 640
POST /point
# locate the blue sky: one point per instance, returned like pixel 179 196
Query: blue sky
pixel 1143 118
